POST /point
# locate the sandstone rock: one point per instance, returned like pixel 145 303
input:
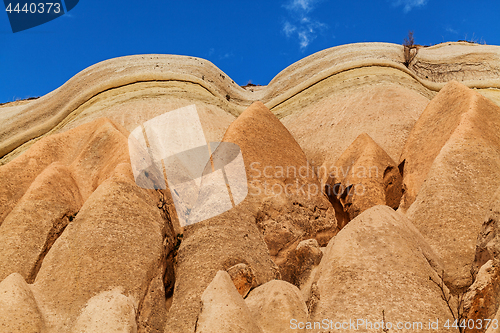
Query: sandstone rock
pixel 495 328
pixel 64 160
pixel 19 312
pixel 52 200
pixel 91 153
pixel 378 262
pixel 332 119
pixel 488 240
pixel 109 311
pixel 431 132
pixel 482 300
pixel 275 304
pixel 363 177
pixel 243 278
pixel 116 241
pixel 116 88
pixel 455 147
pixel 309 256
pixel 282 185
pixel 210 246
pixel 224 310
pixel 153 311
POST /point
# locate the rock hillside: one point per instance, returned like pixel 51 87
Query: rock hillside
pixel 372 198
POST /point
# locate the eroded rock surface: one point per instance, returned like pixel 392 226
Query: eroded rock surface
pixel 19 312
pixel 378 262
pixel 275 304
pixel 282 186
pixel 84 249
pixel 461 129
pixel 488 240
pixel 364 176
pixel 224 310
pixel 482 300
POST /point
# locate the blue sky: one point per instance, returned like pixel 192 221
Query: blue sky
pixel 249 40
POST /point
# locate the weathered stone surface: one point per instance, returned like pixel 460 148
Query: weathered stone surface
pixel 117 88
pixel 109 311
pixel 283 186
pixel 274 304
pixel 495 328
pixel 431 132
pixel 488 240
pixel 308 254
pixel 69 161
pixel 91 153
pixel 243 278
pixel 455 147
pixel 53 199
pixel 332 119
pixel 378 262
pixel 115 241
pixel 482 300
pixel 208 247
pixel 19 312
pixel 364 176
pixel 224 310
pixel 153 311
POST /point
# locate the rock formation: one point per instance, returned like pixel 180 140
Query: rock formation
pixel 377 263
pixel 84 248
pixel 364 176
pixel 451 159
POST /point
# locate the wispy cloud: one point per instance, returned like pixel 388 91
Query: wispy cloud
pixel 451 30
pixel 301 5
pixel 409 4
pixel 299 24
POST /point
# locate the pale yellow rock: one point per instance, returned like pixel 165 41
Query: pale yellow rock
pixel 110 312
pixel 378 262
pixel 275 304
pixel 308 254
pixel 19 312
pixel 151 82
pixel 282 187
pixel 208 247
pixel 224 310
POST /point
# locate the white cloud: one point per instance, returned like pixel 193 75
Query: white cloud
pixel 409 4
pixel 451 30
pixel 301 5
pixel 302 26
pixel 289 29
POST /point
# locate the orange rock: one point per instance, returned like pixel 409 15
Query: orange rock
pixel 284 186
pixel 363 177
pixel 452 160
pixel 379 260
pixel 482 300
pixel 243 278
